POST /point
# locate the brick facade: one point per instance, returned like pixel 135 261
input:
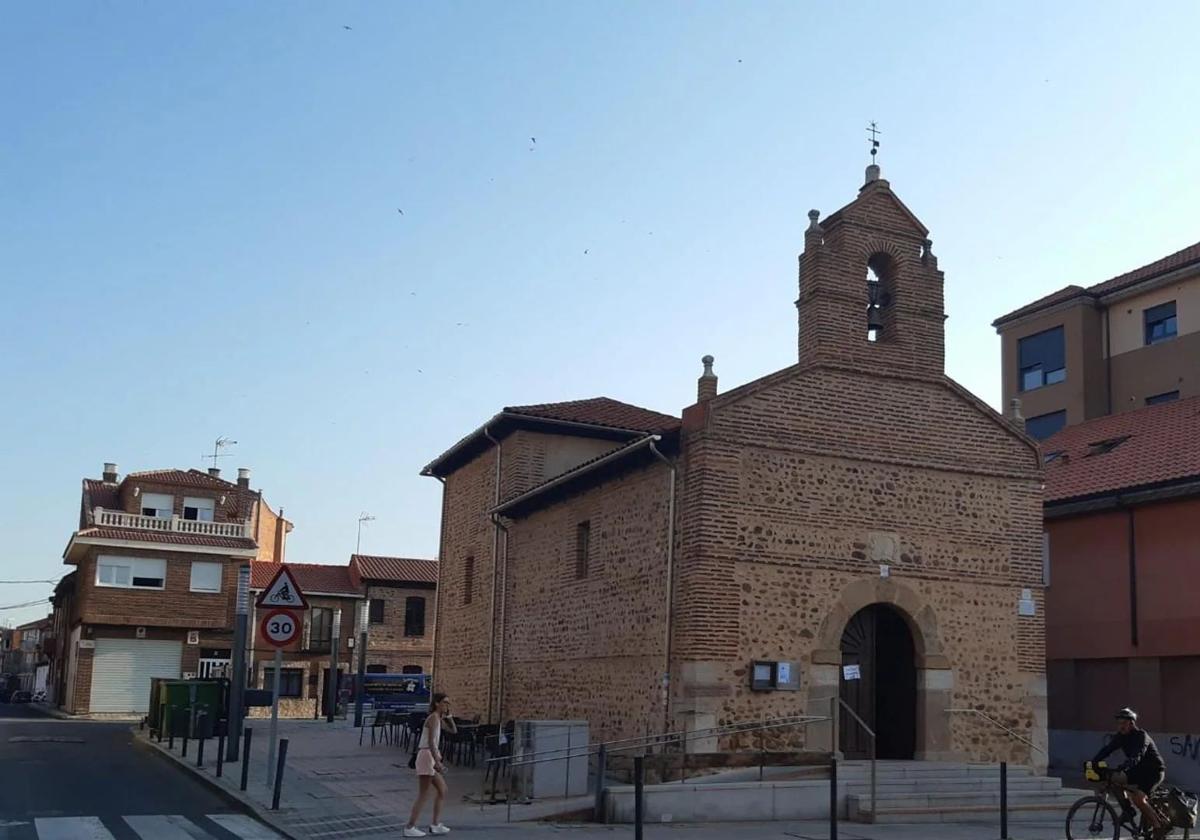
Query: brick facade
pixel 791 493
pixel 388 643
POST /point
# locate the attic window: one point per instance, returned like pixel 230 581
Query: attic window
pixel 1051 457
pixel 1103 447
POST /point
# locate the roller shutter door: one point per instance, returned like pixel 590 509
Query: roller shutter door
pixel 122 668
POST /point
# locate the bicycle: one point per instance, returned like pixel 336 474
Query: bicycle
pixel 1093 817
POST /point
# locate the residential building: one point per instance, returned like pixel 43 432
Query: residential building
pixel 152 593
pixel 400 593
pixel 1081 353
pixel 1122 514
pixel 856 525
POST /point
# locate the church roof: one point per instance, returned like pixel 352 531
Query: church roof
pixel 1182 258
pixel 601 417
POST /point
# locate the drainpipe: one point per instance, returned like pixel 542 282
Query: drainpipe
pixel 498 521
pixel 1107 364
pixel 666 677
pixel 1133 599
pixel 437 593
pixel 495 571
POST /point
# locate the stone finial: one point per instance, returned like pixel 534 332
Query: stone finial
pixel 1014 414
pixel 872 173
pixel 813 215
pixel 706 387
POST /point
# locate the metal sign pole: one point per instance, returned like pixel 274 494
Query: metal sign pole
pixel 274 735
pixel 237 685
pixel 331 688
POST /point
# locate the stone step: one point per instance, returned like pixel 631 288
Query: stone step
pixel 902 786
pixel 951 806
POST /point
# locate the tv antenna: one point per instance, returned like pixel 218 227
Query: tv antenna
pixel 219 444
pixel 362 517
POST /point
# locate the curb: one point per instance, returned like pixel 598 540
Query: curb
pixel 234 797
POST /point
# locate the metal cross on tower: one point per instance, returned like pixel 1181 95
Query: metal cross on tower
pixel 874 132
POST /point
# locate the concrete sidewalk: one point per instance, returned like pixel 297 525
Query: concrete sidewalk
pixel 333 788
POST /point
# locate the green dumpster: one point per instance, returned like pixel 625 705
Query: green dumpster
pixel 192 706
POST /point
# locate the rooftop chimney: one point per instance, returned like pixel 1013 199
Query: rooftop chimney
pixel 706 386
pixel 215 472
pixel 244 478
pixel 110 473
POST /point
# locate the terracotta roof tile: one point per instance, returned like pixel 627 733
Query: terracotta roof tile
pixel 166 537
pixel 600 411
pixel 395 569
pixel 312 578
pixel 186 478
pixel 1180 259
pixel 99 494
pixel 1163 445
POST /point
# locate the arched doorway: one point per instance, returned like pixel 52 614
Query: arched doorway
pixel 879 682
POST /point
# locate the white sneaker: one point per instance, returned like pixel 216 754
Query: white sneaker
pixel 413 832
pixel 438 829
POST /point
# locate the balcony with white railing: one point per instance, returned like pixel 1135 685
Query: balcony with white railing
pixel 173 525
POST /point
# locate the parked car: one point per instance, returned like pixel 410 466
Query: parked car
pixel 20 696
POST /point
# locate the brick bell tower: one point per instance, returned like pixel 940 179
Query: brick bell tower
pixel 870 289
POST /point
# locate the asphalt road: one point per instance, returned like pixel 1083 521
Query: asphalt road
pixel 82 780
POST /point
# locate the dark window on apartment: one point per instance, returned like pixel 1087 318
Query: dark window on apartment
pixel 1045 425
pixel 1157 399
pixel 291 681
pixel 376 669
pixel 411 669
pixel 414 616
pixel 376 610
pixel 320 629
pixel 468 594
pixel 583 549
pixel 1160 322
pixel 1042 359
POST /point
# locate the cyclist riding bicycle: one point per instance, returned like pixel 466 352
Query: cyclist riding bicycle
pixel 1143 767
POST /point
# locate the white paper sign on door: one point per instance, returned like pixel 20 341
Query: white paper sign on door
pixel 851 672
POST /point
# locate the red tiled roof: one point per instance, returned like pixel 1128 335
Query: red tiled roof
pixel 167 537
pixel 312 578
pixel 186 478
pixel 99 494
pixel 398 569
pixel 1163 446
pixel 600 411
pixel 1180 259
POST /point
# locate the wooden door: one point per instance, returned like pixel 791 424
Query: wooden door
pixel 858 660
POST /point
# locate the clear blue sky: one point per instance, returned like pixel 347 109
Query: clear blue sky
pixel 199 232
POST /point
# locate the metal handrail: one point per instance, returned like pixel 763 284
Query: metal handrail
pixel 870 732
pixel 997 723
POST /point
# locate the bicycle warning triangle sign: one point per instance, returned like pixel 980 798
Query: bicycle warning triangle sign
pixel 283 592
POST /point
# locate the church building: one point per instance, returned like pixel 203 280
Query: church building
pixel 856 525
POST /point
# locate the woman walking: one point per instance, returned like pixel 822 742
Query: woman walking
pixel 430 768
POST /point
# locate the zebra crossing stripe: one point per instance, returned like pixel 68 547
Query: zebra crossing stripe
pixel 166 827
pixel 244 827
pixel 71 828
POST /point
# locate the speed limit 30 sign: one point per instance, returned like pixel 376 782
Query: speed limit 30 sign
pixel 280 628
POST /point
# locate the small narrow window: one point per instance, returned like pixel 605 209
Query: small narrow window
pixel 879 295
pixel 1160 322
pixel 377 669
pixel 1158 399
pixel 583 547
pixel 411 669
pixel 414 616
pixel 376 610
pixel 468 594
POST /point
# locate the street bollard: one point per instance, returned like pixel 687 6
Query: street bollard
pixel 283 745
pixel 1003 800
pixel 833 800
pixel 200 721
pixel 185 740
pixel 170 732
pixel 220 753
pixel 246 755
pixel 639 780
